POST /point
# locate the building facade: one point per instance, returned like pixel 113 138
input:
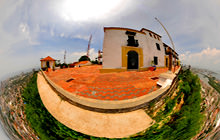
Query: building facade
pixel 128 49
pixel 171 57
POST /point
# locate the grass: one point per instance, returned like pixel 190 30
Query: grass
pixel 185 123
pixel 214 84
pixel 182 124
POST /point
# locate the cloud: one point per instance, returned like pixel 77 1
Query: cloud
pixel 207 58
pixel 24 28
pixel 30 30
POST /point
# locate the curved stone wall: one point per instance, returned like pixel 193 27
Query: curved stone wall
pixel 117 125
pixel 109 106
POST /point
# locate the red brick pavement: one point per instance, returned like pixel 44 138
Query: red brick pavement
pixel 89 82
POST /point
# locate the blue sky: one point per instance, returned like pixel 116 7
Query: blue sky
pixel 30 29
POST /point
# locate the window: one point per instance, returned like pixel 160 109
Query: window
pixel 131 41
pixel 165 50
pixel 155 60
pixel 130 33
pixel 150 34
pixel 158 38
pixel 166 62
pixel 158 46
pixel 155 37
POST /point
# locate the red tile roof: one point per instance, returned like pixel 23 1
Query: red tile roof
pixel 81 62
pixel 48 58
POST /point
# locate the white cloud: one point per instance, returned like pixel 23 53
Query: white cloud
pixel 25 32
pixel 207 58
pixel 84 37
pixel 85 10
pixel 52 32
pixel 193 26
pixel 62 35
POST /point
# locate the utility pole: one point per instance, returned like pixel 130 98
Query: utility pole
pixel 90 39
pixel 170 41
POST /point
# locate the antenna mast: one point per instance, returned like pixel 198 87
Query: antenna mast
pixel 169 38
pixel 90 38
pixel 65 56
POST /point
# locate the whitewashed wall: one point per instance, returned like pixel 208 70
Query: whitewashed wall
pixel 51 63
pixel 152 51
pixel 115 39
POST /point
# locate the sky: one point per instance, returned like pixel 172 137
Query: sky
pixel 34 29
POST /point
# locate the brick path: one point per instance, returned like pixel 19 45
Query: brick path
pixel 89 82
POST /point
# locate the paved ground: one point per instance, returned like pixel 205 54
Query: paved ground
pixel 89 82
pixel 92 123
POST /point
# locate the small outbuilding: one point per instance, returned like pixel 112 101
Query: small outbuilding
pixel 47 62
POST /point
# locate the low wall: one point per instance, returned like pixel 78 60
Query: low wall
pixel 109 125
pixel 111 106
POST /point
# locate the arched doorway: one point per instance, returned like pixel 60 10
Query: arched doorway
pixel 132 60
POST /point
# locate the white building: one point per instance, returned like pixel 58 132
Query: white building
pixel 125 49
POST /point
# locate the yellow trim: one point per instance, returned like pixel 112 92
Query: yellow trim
pixel 178 62
pixel 165 61
pixel 125 50
pixel 125 29
pixel 144 69
pixel 160 67
pixel 111 70
pixel 123 70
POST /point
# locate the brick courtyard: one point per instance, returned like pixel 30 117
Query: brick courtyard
pixel 89 82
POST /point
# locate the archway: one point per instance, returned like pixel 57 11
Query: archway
pixel 132 60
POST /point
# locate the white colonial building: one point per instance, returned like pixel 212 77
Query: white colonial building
pixel 125 49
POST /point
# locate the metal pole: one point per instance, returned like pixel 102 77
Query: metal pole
pixel 170 40
pixel 90 38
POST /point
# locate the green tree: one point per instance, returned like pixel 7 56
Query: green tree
pixel 84 58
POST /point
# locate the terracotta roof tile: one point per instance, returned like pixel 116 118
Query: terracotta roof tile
pixel 81 62
pixel 48 58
